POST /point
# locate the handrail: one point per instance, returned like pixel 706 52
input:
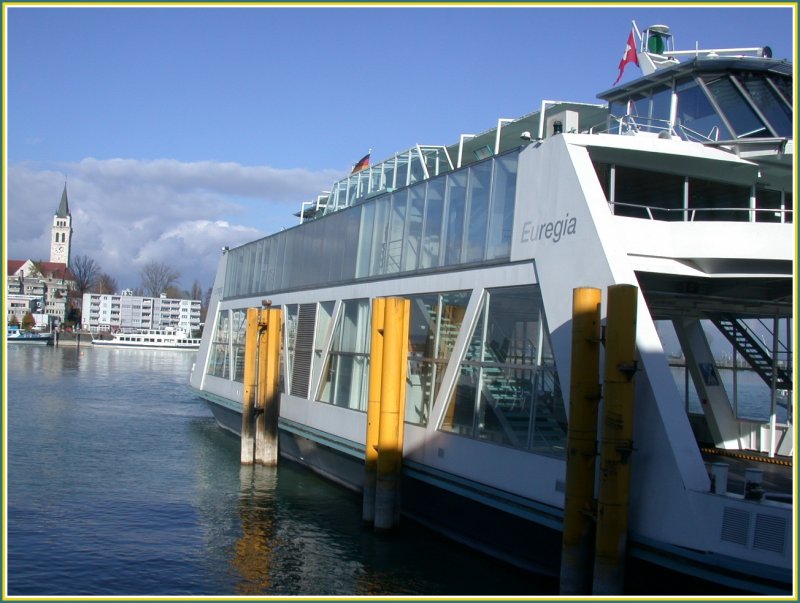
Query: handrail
pixel 692 211
pixel 783 347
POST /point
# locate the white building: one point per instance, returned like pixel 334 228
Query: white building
pixel 38 287
pixel 128 312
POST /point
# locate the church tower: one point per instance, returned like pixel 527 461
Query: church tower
pixel 61 238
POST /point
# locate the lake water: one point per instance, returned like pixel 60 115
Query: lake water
pixel 120 483
pixel 749 395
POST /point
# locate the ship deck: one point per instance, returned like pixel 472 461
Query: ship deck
pixel 778 472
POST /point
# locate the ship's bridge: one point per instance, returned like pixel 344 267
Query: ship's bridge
pixel 740 102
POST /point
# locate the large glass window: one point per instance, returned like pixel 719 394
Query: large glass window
pixel 379 235
pixel 501 223
pixel 507 389
pixel 769 203
pixel 432 236
pixel 220 347
pixel 480 181
pixel 462 216
pixel 646 194
pixel 413 236
pixel 366 233
pixel 397 221
pixel 324 316
pixel 709 200
pixel 456 204
pixel 433 327
pixel 290 337
pixel 346 376
pixel 238 332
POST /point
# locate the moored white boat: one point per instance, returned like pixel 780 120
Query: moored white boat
pixel 28 337
pixel 682 186
pixel 167 339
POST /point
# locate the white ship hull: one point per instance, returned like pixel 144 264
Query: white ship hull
pixel 484 445
pixel 151 340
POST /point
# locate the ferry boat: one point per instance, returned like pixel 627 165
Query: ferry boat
pixel 680 183
pixel 16 335
pixel 153 339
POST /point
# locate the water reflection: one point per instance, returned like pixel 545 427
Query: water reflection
pixel 120 483
pixel 253 554
pixel 303 536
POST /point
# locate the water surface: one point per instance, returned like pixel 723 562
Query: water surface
pixel 120 483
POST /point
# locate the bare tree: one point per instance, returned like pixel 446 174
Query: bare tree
pixel 106 284
pixel 197 291
pixel 205 303
pixel 84 273
pixel 157 277
pixel 173 292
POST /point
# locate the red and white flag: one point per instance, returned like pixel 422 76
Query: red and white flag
pixel 629 56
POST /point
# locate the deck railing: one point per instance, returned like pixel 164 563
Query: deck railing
pixel 700 214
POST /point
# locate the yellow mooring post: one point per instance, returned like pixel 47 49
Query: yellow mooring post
pixel 249 393
pixel 584 388
pixel 616 444
pixel 268 396
pixel 390 430
pixel 373 408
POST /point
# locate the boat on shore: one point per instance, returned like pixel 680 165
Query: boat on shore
pixel 15 335
pixel 679 184
pixel 152 339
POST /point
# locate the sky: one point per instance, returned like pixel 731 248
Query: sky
pixel 180 130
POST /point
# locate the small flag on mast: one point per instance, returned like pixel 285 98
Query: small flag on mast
pixel 361 164
pixel 629 56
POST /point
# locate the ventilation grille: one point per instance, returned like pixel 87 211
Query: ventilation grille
pixel 769 534
pixel 735 526
pixel 303 349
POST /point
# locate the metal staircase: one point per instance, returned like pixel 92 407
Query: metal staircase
pixel 748 345
pixel 520 404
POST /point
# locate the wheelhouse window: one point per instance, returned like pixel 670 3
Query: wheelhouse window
pixel 770 102
pixel 697 119
pixel 737 110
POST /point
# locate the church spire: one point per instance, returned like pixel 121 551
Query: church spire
pixel 61 237
pixel 63 207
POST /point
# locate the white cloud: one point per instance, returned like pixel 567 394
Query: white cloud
pixel 127 212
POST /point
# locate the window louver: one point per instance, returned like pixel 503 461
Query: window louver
pixel 303 349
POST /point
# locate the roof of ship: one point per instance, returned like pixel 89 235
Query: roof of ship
pixel 700 64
